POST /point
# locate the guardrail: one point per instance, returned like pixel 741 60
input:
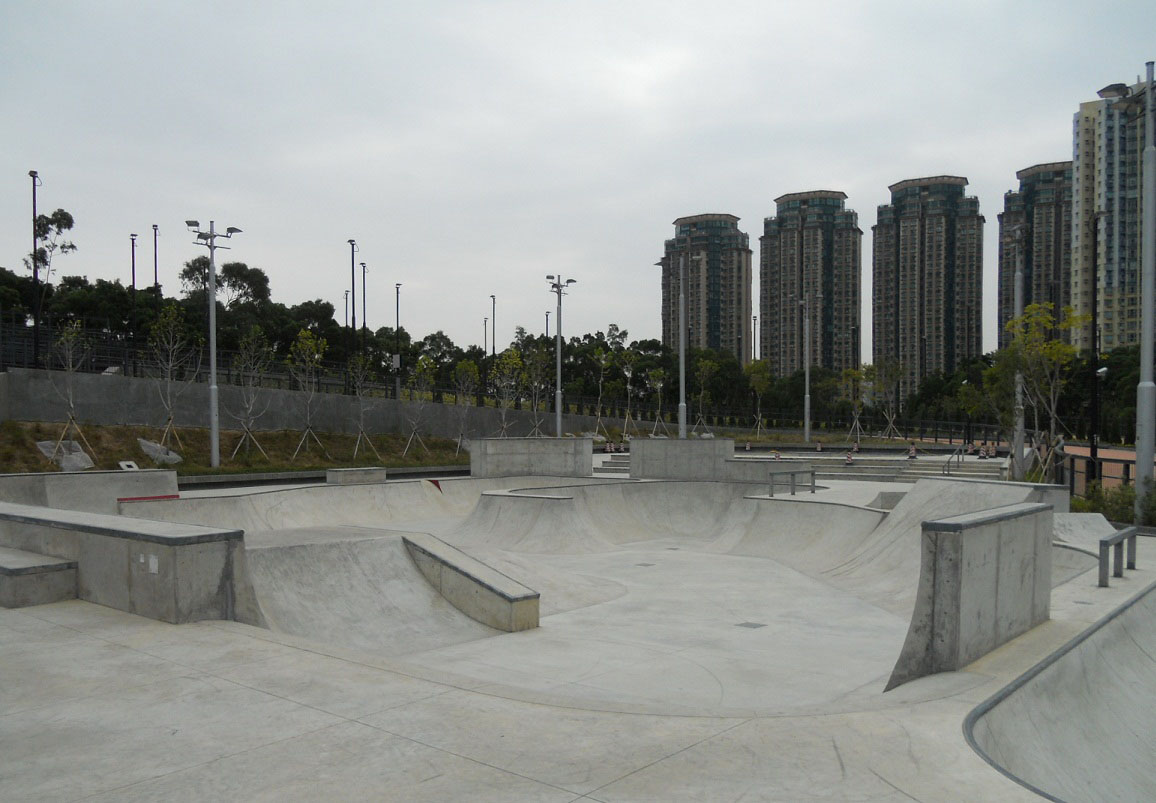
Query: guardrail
pixel 1116 543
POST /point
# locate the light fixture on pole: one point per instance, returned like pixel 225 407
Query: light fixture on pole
pixel 557 285
pixel 682 326
pixel 397 341
pixel 755 337
pixel 494 320
pixel 547 323
pixel 364 317
pixel 345 295
pixel 353 293
pixel 1146 389
pixel 132 298
pixel 209 240
pixel 36 294
pixel 156 279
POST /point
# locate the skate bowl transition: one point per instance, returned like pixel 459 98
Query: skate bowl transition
pixel 741 602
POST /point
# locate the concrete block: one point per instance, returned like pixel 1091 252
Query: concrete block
pixel 984 579
pixel 27 579
pixel 355 476
pixel 477 590
pixel 540 457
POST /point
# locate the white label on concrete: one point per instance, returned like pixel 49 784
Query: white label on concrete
pixel 153 566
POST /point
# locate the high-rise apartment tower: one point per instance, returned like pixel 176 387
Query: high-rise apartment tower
pixel 927 264
pixel 717 261
pixel 1041 214
pixel 1107 156
pixel 809 261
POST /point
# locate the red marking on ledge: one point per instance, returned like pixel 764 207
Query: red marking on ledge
pixel 437 484
pixel 146 498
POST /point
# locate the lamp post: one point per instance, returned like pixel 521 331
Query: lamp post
pixel 397 341
pixel 805 303
pixel 1146 389
pixel 36 182
pixel 345 295
pixel 1017 464
pixel 557 285
pixel 353 293
pixel 494 319
pixel 547 323
pixel 485 336
pixel 364 317
pixel 681 343
pixel 132 299
pixel 1094 413
pixel 209 240
pixel 156 275
pixel 755 337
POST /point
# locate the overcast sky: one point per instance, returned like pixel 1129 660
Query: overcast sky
pixel 471 148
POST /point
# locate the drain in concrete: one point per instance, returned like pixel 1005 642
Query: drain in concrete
pixel 751 625
pixel 644 564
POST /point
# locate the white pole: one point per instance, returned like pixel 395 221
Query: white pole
pixel 1146 390
pixel 806 369
pixel 682 346
pixel 1017 463
pixel 558 360
pixel 214 413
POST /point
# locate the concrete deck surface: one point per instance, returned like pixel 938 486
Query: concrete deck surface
pixel 646 681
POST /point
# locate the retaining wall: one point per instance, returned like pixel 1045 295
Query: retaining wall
pixel 532 457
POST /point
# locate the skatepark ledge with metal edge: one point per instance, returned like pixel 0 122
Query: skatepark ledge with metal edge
pixel 697 640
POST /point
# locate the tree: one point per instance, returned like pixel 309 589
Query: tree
pixel 704 369
pixel 304 364
pixel 655 380
pixel 506 380
pixel 72 349
pixel 536 382
pixel 360 375
pixel 242 284
pixel 423 379
pixel 1043 358
pixel 174 351
pixel 851 389
pixel 49 242
pixel 758 373
pixel 253 361
pixel 466 380
pixel 882 378
pixel 627 359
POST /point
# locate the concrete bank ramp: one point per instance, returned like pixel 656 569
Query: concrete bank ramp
pixel 356 589
pixel 1080 725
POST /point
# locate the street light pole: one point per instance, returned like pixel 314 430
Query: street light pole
pixel 1094 424
pixel 209 240
pixel 557 285
pixel 364 317
pixel 547 323
pixel 494 320
pixel 1017 463
pixel 806 367
pixel 132 299
pixel 36 182
pixel 156 275
pixel 397 341
pixel 1146 389
pixel 353 292
pixel 755 338
pixel 682 346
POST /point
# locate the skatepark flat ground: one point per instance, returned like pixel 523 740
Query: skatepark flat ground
pixel 688 666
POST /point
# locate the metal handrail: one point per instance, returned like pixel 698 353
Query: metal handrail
pixel 958 453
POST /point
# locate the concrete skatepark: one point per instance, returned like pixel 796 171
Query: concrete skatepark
pixel 567 634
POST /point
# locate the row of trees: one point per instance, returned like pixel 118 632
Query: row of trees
pixel 599 368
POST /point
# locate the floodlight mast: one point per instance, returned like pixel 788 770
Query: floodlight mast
pixel 209 240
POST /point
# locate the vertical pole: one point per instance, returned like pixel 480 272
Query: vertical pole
pixel 397 340
pixel 35 278
pixel 1017 463
pixel 364 317
pixel 132 302
pixel 1146 390
pixel 494 328
pixel 755 338
pixel 214 412
pixel 806 369
pixel 558 362
pixel 156 275
pixel 682 346
pixel 1094 363
pixel 547 323
pixel 353 292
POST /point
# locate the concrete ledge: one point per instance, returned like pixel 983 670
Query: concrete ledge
pixel 365 475
pixel 532 457
pixel 984 579
pixel 30 579
pixel 477 590
pixel 95 491
pixel 173 572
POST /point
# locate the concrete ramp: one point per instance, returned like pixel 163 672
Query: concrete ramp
pixel 355 589
pixel 1079 726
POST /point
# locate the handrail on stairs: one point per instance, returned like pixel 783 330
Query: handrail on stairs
pixel 957 455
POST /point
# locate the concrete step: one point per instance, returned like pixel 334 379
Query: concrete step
pixel 612 469
pixel 27 578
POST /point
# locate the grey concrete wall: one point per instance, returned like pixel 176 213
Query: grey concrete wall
pixel 532 457
pixel 94 491
pixel 663 459
pixel 35 395
pixel 173 572
pixel 477 590
pixel 984 579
